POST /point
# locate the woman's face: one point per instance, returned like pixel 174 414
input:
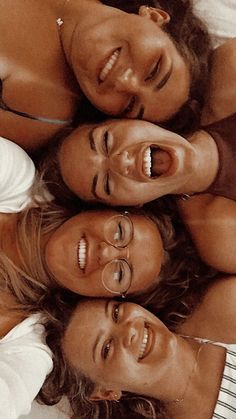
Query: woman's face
pixel 124 162
pixel 119 346
pixel 105 253
pixel 127 65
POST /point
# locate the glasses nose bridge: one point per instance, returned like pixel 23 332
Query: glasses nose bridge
pixel 109 252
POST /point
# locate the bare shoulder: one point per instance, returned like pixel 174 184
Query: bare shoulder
pixel 221 95
pixel 215 317
pixel 211 221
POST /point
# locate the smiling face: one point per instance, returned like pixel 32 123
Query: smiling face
pixel 119 346
pixel 127 65
pixel 102 253
pixel 126 162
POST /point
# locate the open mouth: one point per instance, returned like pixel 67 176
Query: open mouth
pixel 146 343
pixel 109 65
pixel 82 253
pixel 156 162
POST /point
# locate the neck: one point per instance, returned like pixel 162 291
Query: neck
pixel 174 381
pixel 207 163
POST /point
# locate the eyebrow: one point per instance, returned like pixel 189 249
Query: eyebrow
pixel 99 336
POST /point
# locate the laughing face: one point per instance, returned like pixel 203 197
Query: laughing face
pixel 127 65
pixel 122 347
pixel 103 253
pixel 126 162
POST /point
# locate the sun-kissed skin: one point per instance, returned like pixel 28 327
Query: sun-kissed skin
pixel 221 94
pixel 36 78
pixel 41 73
pixel 116 173
pixel 63 247
pixel 60 250
pixel 114 356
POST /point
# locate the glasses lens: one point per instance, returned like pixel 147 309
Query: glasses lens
pixel 116 276
pixel 118 230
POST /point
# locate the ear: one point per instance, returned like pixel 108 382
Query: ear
pixel 161 17
pixel 101 393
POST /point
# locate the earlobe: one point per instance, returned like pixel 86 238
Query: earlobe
pixel 161 17
pixel 101 393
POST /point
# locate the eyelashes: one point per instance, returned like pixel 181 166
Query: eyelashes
pixel 106 349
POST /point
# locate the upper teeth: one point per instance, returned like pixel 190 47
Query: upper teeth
pixel 144 343
pixel 147 162
pixel 109 65
pixel 82 248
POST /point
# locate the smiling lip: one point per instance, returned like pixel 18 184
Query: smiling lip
pixel 146 343
pixel 108 66
pixel 82 251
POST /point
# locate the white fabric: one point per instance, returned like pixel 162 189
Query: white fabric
pixel 17 173
pixel 25 362
pixel 220 18
pixel 59 411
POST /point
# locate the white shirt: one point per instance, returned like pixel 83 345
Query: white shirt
pixel 25 361
pixel 17 174
pixel 220 18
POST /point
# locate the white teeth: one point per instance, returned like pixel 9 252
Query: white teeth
pixel 109 65
pixel 147 162
pixel 82 253
pixel 144 344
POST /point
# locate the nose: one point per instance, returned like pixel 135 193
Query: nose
pixel 107 253
pixel 122 163
pixel 128 82
pixel 130 335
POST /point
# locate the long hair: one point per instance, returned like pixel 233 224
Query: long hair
pixel 31 283
pixel 182 275
pixel 193 41
pixel 66 380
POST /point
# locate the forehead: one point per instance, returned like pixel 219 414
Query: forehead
pixel 82 331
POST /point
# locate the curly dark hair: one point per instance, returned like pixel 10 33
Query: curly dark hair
pixel 192 39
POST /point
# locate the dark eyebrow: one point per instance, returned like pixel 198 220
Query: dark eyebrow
pixel 91 139
pixel 99 336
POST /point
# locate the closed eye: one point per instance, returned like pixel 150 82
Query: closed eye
pixel 107 188
pixel 105 142
pixel 154 71
pixel 130 106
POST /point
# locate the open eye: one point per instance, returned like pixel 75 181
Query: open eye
pixel 106 349
pixel 115 312
pixel 154 71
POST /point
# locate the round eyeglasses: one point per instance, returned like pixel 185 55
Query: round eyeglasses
pixel 117 274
